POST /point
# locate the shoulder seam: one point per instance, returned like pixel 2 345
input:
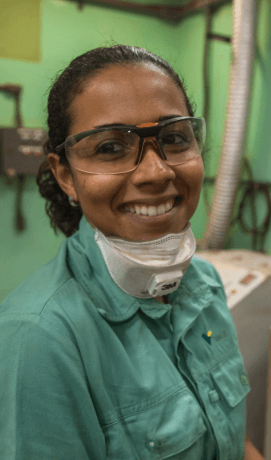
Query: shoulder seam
pixel 55 292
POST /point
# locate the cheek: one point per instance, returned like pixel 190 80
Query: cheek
pixel 197 171
pixel 98 190
pixel 197 178
pixel 196 184
pixel 192 174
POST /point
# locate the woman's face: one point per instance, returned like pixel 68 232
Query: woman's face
pixel 132 95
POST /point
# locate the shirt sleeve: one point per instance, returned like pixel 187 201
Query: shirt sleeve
pixel 47 412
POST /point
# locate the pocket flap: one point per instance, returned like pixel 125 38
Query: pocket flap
pixel 162 431
pixel 231 379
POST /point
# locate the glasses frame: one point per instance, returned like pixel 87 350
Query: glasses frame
pixel 152 130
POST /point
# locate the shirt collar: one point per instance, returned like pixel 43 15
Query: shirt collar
pixel 89 269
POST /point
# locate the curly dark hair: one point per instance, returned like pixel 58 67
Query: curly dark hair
pixel 66 85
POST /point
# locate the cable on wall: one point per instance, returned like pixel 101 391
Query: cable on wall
pixel 15 90
pixel 256 231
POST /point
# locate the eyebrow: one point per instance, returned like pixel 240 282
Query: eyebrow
pixel 162 118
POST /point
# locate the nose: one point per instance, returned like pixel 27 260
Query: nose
pixel 152 167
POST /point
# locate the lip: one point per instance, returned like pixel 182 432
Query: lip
pixel 151 202
pixel 154 219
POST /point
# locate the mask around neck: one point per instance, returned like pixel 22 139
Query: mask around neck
pixel 148 269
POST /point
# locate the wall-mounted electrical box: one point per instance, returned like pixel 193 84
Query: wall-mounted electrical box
pixel 21 150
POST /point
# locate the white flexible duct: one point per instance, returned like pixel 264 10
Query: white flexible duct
pixel 239 91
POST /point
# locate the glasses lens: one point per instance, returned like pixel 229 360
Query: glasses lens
pixel 116 151
pixel 105 152
pixel 183 140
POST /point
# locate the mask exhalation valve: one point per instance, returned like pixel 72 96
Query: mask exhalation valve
pixel 164 283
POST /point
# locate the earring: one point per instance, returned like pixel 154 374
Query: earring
pixel 72 203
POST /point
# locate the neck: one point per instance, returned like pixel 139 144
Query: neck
pixel 162 299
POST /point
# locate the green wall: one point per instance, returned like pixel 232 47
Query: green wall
pixel 67 32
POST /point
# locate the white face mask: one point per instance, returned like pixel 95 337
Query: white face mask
pixel 150 268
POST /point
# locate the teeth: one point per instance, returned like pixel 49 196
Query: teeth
pixel 132 209
pixel 144 210
pixel 162 209
pixel 150 210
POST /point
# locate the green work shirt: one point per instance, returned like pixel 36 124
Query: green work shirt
pixel 88 372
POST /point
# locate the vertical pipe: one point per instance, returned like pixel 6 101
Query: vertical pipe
pixel 239 91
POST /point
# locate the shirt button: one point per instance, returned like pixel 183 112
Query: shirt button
pixel 214 396
pixel 152 445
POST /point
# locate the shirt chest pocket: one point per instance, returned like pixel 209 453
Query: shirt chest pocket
pixel 170 428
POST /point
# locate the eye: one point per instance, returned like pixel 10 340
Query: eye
pixel 110 148
pixel 175 139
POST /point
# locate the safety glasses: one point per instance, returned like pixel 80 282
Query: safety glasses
pixel 118 149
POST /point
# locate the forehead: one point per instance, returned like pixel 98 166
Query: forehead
pixel 130 94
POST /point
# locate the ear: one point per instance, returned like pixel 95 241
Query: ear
pixel 62 175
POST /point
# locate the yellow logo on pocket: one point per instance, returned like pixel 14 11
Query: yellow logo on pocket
pixel 207 337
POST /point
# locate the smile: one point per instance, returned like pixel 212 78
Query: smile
pixel 152 211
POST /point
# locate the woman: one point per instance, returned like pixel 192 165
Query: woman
pixel 121 347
